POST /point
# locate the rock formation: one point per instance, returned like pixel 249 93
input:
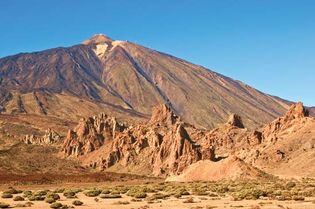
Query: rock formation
pixel 50 137
pixel 236 120
pixel 165 145
pixel 162 145
pixel 91 134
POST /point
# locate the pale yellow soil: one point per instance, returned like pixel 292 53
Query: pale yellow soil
pixel 174 203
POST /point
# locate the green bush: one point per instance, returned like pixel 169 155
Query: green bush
pixel 69 194
pixel 18 198
pixel 158 196
pixel 27 193
pixel 249 194
pixel 59 190
pixel 110 196
pixel 137 193
pixel 41 193
pixel 36 198
pixel 56 205
pixel 50 200
pixel 106 191
pixel 298 198
pixel 6 195
pixel 140 195
pixel 290 185
pixel 13 191
pixel 92 193
pixel 77 203
pixel 54 196
pixel 4 205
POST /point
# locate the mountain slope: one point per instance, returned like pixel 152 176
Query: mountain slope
pixel 126 80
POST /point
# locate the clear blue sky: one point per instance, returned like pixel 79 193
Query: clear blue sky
pixel 268 44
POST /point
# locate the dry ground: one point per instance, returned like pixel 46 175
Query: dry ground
pixel 137 194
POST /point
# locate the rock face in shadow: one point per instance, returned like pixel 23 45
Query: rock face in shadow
pixel 236 120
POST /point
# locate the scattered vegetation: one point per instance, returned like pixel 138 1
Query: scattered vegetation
pixel 265 191
pixel 77 203
pixel 56 205
pixel 18 198
pixel 107 196
pixel 6 195
pixel 93 193
pixel 69 194
pixel 121 203
pixel 49 200
pixel 4 205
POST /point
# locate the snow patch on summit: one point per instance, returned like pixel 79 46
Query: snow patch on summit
pixel 100 49
pixel 118 43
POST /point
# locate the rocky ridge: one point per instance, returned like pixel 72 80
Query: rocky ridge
pixel 165 145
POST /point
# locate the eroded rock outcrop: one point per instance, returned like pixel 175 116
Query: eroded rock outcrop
pixel 165 145
pixel 293 116
pixel 235 120
pixel 160 147
pixel 90 134
pixel 50 137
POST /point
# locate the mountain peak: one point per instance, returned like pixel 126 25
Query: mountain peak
pixel 98 39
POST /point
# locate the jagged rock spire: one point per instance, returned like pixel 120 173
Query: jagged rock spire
pixel 235 120
pixel 296 111
pixel 163 114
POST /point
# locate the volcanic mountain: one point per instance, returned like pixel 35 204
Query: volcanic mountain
pixel 126 80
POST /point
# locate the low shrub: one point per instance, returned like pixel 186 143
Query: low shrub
pixel 158 196
pixel 50 200
pixel 290 185
pixel 122 203
pixel 54 196
pixel 13 191
pixel 77 203
pixel 92 193
pixel 4 205
pixel 110 196
pixel 140 195
pixel 69 194
pixel 27 193
pixel 18 198
pixel 41 193
pixel 6 195
pixel 59 190
pixel 36 198
pixel 298 198
pixel 56 205
pixel 105 191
